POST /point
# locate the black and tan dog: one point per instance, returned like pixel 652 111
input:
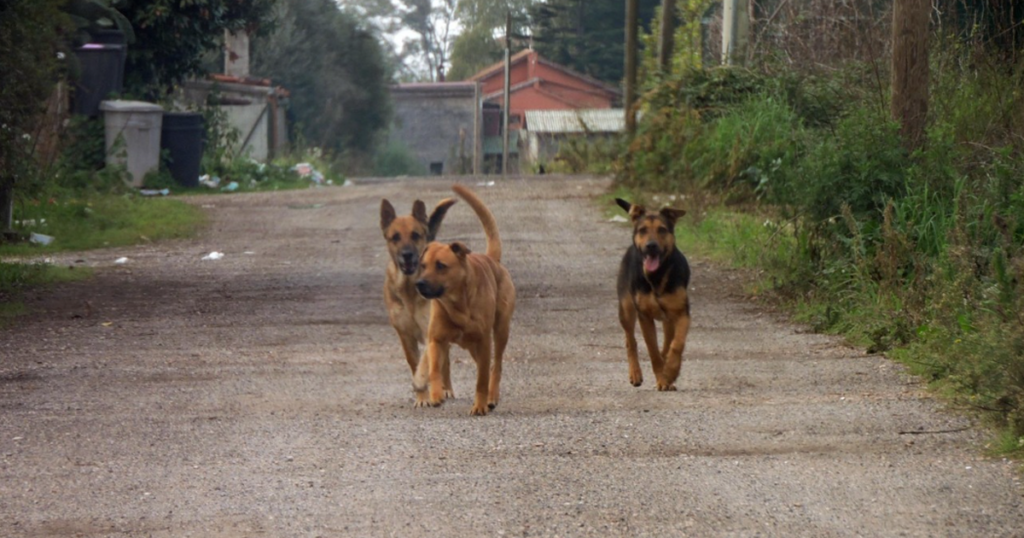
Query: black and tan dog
pixel 472 303
pixel 407 237
pixel 653 279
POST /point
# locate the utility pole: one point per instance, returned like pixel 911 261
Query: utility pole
pixel 631 48
pixel 910 69
pixel 668 12
pixel 508 91
pixel 735 31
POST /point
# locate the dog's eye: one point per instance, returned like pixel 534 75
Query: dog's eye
pixel 441 266
pixel 416 236
pixel 641 230
pixel 662 230
pixel 396 238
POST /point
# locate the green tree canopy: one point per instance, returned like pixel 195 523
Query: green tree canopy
pixel 586 35
pixel 171 37
pixel 335 70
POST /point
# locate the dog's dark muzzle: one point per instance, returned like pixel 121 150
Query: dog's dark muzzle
pixel 408 262
pixel 429 291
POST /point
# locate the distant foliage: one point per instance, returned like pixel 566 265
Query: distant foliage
pixel 586 35
pixel 336 73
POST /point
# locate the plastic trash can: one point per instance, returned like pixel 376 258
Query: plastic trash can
pixel 102 74
pixel 137 123
pixel 182 136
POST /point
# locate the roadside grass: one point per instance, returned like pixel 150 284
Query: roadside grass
pixel 103 221
pixel 82 224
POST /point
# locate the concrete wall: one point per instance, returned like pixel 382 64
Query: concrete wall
pixel 437 122
pixel 248 110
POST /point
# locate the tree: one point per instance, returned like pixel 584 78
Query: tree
pixel 586 35
pixel 171 37
pixel 335 70
pixel 31 33
pixel 910 69
pixel 480 43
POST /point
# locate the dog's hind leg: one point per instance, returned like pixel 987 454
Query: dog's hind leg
pixel 446 374
pixel 650 331
pixel 481 352
pixel 674 357
pixel 502 327
pixel 627 317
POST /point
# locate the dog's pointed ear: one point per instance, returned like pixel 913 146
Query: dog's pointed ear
pixel 434 224
pixel 419 211
pixel 460 249
pixel 635 211
pixel 672 215
pixel 387 214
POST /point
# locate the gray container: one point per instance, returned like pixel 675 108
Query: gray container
pixel 138 124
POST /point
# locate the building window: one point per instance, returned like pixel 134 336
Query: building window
pixel 436 169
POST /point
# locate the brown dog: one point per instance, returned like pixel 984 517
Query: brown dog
pixel 653 278
pixel 472 303
pixel 407 238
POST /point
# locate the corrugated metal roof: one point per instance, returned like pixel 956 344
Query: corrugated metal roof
pixel 603 120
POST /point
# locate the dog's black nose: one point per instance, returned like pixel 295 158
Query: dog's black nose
pixel 652 246
pixel 408 256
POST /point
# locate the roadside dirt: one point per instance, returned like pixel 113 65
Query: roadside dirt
pixel 265 394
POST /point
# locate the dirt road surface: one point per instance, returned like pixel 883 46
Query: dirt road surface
pixel 265 394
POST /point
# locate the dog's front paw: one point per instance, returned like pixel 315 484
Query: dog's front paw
pixel 449 394
pixel 478 410
pixel 666 387
pixel 421 399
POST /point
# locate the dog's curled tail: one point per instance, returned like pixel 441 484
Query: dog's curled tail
pixel 486 219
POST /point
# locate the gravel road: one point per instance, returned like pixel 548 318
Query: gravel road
pixel 265 394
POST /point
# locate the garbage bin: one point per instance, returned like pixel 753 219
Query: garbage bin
pixel 182 136
pixel 137 123
pixel 102 74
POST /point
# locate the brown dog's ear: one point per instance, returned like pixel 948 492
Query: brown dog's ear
pixel 387 214
pixel 672 214
pixel 460 250
pixel 434 224
pixel 419 211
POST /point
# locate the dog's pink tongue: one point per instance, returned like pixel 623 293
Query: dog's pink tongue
pixel 651 263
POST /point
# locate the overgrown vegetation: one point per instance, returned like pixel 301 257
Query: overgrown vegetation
pixel 918 255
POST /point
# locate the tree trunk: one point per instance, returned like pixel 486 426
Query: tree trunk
pixel 910 69
pixel 630 67
pixel 6 205
pixel 668 11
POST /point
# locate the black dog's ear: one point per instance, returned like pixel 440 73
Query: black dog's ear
pixel 419 211
pixel 434 225
pixel 635 211
pixel 460 249
pixel 387 214
pixel 672 215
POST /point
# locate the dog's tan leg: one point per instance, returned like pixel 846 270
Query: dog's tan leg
pixel 674 358
pixel 446 373
pixel 428 382
pixel 501 332
pixel 481 353
pixel 411 347
pixel 627 318
pixel 650 332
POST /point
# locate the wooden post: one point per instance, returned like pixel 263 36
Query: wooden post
pixel 508 91
pixel 910 69
pixel 735 31
pixel 668 12
pixel 630 68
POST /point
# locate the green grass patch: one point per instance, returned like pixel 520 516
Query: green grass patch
pixel 103 221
